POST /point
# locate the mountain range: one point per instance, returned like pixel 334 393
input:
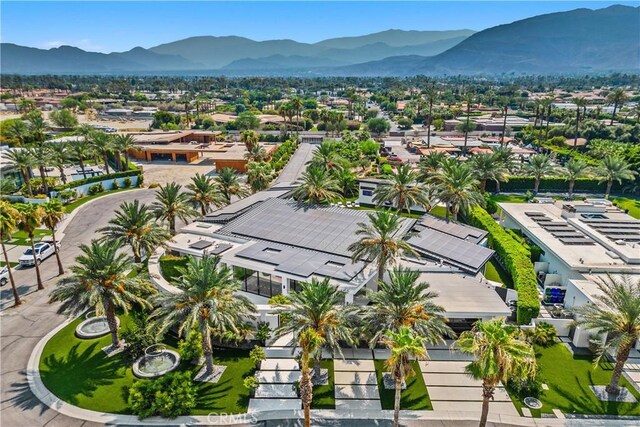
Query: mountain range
pixel 581 40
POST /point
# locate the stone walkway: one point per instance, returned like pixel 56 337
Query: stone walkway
pixel 275 389
pixel 356 383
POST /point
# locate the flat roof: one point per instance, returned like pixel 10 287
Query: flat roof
pixel 452 228
pixel 231 211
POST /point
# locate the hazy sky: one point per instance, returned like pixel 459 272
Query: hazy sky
pixel 121 25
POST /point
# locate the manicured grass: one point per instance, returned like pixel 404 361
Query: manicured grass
pixel 569 377
pixel 414 397
pixel 324 396
pixel 81 201
pixel 440 211
pixel 78 372
pixel 494 271
pixel 21 238
pixel 169 265
pixel 12 264
pixel 633 205
pixel 509 198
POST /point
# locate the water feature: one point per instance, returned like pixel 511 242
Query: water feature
pixel 157 361
pixel 93 326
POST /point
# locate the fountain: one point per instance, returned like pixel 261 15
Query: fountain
pixel 157 361
pixel 93 326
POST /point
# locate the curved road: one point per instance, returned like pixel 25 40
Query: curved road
pixel 23 326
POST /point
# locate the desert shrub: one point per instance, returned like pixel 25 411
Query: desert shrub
pixel 190 348
pixel 126 183
pixel 257 355
pixel 263 332
pixel 169 396
pixel 96 188
pixel 544 334
pixel 114 185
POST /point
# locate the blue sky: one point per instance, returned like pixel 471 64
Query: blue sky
pixel 120 26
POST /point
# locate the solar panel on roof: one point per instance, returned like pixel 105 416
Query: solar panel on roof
pixel 221 247
pixel 577 241
pixel 532 214
pixel 201 244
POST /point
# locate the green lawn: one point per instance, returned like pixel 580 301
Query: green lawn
pixel 78 372
pixel 20 238
pixel 414 397
pixel 509 198
pixel 169 267
pixel 81 201
pixel 569 377
pixel 440 211
pixel 324 396
pixel 12 264
pixel 494 271
pixel 628 203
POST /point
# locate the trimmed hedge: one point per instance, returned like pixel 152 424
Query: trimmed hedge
pixel 282 154
pixel 553 184
pixel 516 259
pixel 97 178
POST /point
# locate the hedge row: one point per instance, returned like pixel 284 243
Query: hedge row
pixel 517 260
pixel 552 183
pixel 97 178
pixel 282 154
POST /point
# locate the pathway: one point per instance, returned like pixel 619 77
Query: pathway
pixel 296 165
pixel 356 385
pixel 275 389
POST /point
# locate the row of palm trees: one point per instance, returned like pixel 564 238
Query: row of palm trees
pixel 96 146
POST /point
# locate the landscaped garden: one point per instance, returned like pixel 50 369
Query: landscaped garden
pixel 80 373
pixel 632 204
pixel 414 397
pixel 494 272
pixel 569 377
pixel 169 265
pixel 21 238
pixel 324 396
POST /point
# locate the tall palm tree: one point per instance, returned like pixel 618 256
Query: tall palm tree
pixel 347 181
pixel 379 241
pixel 580 104
pixel 326 156
pixel 404 190
pixel 467 126
pixel 208 303
pixel 431 95
pixel 257 154
pixel 123 143
pixel 402 301
pixel 80 151
pixel 59 157
pixel 259 174
pixel 431 163
pixel 310 343
pixel 539 166
pixel 618 97
pixel 103 144
pixel 23 159
pixel 456 185
pixel 618 316
pixel 135 224
pixel 574 169
pixel 405 346
pixel 41 158
pixel 250 138
pixel 204 192
pixel 297 105
pixel 616 169
pixel 9 217
pixel 316 185
pixel 54 212
pixel 500 355
pixel 488 167
pixel 504 103
pixel 317 306
pixel 100 281
pixel 171 204
pixel 227 180
pixel 31 218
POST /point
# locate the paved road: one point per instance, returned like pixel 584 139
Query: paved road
pixel 23 326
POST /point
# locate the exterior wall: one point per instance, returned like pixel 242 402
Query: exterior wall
pixel 575 297
pixel 146 154
pixel 563 326
pixel 107 184
pixel 239 165
pixel 365 196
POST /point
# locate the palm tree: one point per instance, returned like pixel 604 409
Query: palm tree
pixel 135 224
pixel 456 185
pixel 504 103
pixel 402 301
pixel 488 167
pixel 405 346
pixel 431 94
pixel 326 156
pixel 404 190
pixel 317 306
pixel 380 242
pixel 9 217
pixel 22 158
pixel 296 106
pixel 618 97
pixel 574 169
pixel 100 281
pixel 580 104
pixel 208 303
pixel 250 138
pixel 103 144
pixel 310 343
pixel 59 157
pixel 123 144
pixel 41 157
pixel 612 169
pixel 316 185
pixel 54 212
pixel 618 316
pixel 347 181
pixel 467 126
pixel 500 355
pixel 80 151
pixel 203 192
pixel 431 163
pixel 538 167
pixel 227 180
pixel 259 174
pixel 31 218
pixel 171 204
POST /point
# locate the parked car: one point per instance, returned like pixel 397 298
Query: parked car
pixel 43 251
pixel 4 275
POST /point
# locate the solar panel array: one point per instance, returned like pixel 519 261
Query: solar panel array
pixel 451 228
pixel 201 244
pixel 323 229
pixel 301 262
pixel 451 249
pixel 564 232
pixel 621 229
